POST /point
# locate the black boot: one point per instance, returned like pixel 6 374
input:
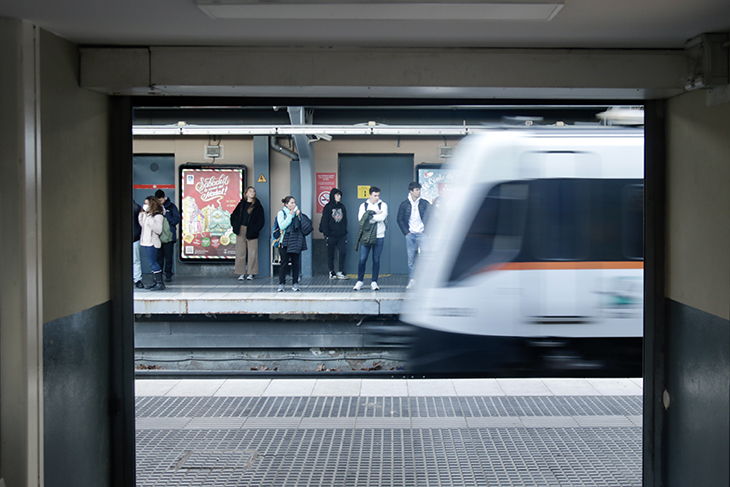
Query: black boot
pixel 159 284
pixel 160 281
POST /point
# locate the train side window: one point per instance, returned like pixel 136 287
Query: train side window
pixel 633 221
pixel 495 234
pixel 560 211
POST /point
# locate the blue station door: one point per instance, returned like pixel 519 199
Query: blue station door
pixel 153 172
pixel 391 173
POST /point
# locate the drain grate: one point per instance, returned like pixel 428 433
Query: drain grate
pixel 240 460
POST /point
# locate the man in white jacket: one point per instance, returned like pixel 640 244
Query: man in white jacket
pixel 380 210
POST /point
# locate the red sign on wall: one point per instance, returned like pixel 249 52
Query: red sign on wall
pixel 326 181
pixel 209 196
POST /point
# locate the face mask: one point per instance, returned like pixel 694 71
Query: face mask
pixel 146 207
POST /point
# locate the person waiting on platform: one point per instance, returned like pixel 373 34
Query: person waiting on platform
pixel 247 221
pixel 371 234
pixel 411 219
pixel 166 252
pixel 150 219
pixel 293 242
pixel 334 228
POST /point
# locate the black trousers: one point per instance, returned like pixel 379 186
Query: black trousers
pixel 339 244
pixel 165 255
pixel 286 257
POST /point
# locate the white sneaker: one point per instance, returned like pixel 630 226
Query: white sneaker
pixel 249 277
pixel 295 287
pixel 241 277
pixel 340 275
pixel 281 288
pixel 410 283
pixel 358 285
pixel 374 286
pixel 332 275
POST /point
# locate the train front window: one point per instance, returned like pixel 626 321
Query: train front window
pixel 560 211
pixel 495 234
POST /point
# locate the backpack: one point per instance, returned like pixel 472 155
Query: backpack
pixel 276 233
pixel 166 235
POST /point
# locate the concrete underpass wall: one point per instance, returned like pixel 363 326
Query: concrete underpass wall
pixel 698 292
pixel 76 271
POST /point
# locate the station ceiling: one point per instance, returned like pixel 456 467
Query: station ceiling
pixel 577 24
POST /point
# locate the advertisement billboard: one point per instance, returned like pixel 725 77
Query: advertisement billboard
pixel 208 196
pixel 435 181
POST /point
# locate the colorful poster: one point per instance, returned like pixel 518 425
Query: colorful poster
pixel 326 181
pixel 434 183
pixel 208 197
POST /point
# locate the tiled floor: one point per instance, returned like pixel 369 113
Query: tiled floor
pixel 369 432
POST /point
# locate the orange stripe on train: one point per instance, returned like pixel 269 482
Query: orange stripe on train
pixel 532 266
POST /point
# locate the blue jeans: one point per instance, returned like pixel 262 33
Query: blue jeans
pixel 151 253
pixel 136 263
pixel 413 241
pixel 364 252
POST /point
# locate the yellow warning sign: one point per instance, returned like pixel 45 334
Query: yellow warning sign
pixel 363 192
pixel 261 179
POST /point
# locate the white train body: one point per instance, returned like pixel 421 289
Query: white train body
pixel 540 236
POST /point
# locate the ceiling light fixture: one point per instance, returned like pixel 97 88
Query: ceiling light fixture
pixel 501 10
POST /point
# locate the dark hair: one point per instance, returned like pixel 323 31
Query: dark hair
pixel 413 185
pixel 159 194
pixel 286 199
pixel 155 207
pixel 374 189
pixel 336 191
pixel 253 201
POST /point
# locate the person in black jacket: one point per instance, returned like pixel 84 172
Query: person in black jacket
pixel 136 262
pixel 412 214
pixel 334 228
pixel 247 221
pixel 293 242
pixel 165 253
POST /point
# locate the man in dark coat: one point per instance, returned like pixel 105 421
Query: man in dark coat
pixel 412 214
pixel 334 228
pixel 167 251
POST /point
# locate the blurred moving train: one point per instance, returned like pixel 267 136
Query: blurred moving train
pixel 534 265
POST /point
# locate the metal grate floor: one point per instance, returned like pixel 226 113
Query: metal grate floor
pixel 389 441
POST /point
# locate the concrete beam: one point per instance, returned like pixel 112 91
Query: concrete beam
pixel 409 73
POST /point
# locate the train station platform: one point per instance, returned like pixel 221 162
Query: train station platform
pixel 401 432
pixel 319 295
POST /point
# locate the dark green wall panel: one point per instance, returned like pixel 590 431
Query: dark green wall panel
pixel 76 399
pixel 698 379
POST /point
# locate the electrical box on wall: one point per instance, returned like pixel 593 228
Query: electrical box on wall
pixel 213 152
pixel 707 61
pixel 445 151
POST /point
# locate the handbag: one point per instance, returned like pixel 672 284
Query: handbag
pixel 306 223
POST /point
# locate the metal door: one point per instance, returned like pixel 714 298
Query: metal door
pixel 391 173
pixel 153 172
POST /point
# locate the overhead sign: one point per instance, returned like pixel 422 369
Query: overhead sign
pixel 208 197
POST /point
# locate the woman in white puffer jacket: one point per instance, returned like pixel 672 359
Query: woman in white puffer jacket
pixel 151 221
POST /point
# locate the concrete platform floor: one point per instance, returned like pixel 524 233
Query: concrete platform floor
pixel 377 432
